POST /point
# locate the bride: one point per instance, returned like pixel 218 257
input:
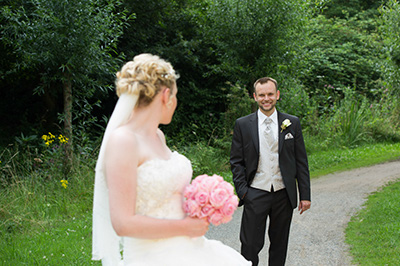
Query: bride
pixel 138 217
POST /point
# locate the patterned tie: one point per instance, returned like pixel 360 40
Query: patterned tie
pixel 269 136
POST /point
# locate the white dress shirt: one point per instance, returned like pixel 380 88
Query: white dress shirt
pixel 268 174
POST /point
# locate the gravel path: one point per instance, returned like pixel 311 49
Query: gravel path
pixel 317 236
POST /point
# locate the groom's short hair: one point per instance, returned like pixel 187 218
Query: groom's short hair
pixel 265 80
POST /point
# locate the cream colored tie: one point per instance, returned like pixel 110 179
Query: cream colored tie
pixel 269 136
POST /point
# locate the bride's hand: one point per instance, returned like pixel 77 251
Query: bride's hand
pixel 196 227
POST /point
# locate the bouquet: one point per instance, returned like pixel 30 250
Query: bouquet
pixel 210 197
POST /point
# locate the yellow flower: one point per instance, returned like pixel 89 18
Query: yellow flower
pixel 64 183
pixel 48 139
pixel 62 139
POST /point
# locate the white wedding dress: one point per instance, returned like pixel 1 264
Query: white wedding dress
pixel 160 184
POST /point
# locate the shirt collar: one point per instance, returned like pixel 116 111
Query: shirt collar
pixel 262 117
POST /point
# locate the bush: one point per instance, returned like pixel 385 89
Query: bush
pixel 205 159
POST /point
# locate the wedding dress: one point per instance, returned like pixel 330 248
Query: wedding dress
pixel 160 184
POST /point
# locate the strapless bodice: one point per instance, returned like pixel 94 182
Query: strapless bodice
pixel 160 185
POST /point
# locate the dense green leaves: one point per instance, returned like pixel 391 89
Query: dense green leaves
pixel 342 53
pixel 71 45
pixel 56 37
pixel 391 26
pixel 252 39
pixel 315 49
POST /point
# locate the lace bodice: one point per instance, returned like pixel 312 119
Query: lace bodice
pixel 160 184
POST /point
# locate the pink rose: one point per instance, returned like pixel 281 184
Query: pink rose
pixel 201 197
pixel 226 219
pixel 208 183
pixel 210 197
pixel 218 197
pixel 218 178
pixel 227 186
pixel 206 210
pixel 198 179
pixel 216 218
pixel 230 206
pixel 190 191
pixel 191 208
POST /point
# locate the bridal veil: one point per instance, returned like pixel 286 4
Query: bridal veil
pixel 106 243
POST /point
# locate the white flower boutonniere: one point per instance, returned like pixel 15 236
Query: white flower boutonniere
pixel 285 124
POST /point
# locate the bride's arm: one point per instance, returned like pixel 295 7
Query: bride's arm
pixel 121 170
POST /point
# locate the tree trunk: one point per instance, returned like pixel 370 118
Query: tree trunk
pixel 68 123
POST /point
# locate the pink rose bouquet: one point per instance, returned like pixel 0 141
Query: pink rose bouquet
pixel 210 197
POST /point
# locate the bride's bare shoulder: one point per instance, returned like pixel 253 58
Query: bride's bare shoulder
pixel 123 137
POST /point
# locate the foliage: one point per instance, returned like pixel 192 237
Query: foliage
pixel 205 159
pixel 32 156
pixel 170 29
pixel 70 44
pixel 384 122
pixel 391 23
pixel 355 120
pixel 374 234
pixel 75 37
pixel 238 103
pixel 44 222
pixel 349 119
pixel 346 8
pixel 342 53
pixel 263 38
pixel 295 100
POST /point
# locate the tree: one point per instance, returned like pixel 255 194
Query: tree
pixel 71 44
pixel 346 8
pixel 343 52
pixel 171 29
pixel 390 28
pixel 256 38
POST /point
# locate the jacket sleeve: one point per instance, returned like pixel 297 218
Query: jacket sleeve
pixel 302 174
pixel 237 161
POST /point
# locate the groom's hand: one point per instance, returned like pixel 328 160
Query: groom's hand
pixel 304 205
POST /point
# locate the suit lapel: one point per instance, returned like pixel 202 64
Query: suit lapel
pixel 254 132
pixel 281 134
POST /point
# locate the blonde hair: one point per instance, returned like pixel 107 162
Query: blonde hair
pixel 144 76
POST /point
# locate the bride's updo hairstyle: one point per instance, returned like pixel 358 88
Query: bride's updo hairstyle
pixel 144 76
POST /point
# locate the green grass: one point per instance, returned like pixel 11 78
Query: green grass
pixel 60 242
pixel 330 161
pixel 374 234
pixel 41 223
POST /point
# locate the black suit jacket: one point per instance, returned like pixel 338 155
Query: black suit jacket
pixel 292 157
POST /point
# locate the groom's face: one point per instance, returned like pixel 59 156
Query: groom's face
pixel 266 95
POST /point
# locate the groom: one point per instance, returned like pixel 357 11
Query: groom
pixel 267 158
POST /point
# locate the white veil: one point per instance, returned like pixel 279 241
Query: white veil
pixel 106 243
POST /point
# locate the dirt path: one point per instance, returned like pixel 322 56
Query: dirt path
pixel 317 236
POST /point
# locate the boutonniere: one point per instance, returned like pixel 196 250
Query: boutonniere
pixel 285 124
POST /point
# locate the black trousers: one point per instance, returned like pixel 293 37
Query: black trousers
pixel 258 206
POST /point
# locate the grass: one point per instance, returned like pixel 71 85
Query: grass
pixel 374 234
pixel 42 223
pixel 330 161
